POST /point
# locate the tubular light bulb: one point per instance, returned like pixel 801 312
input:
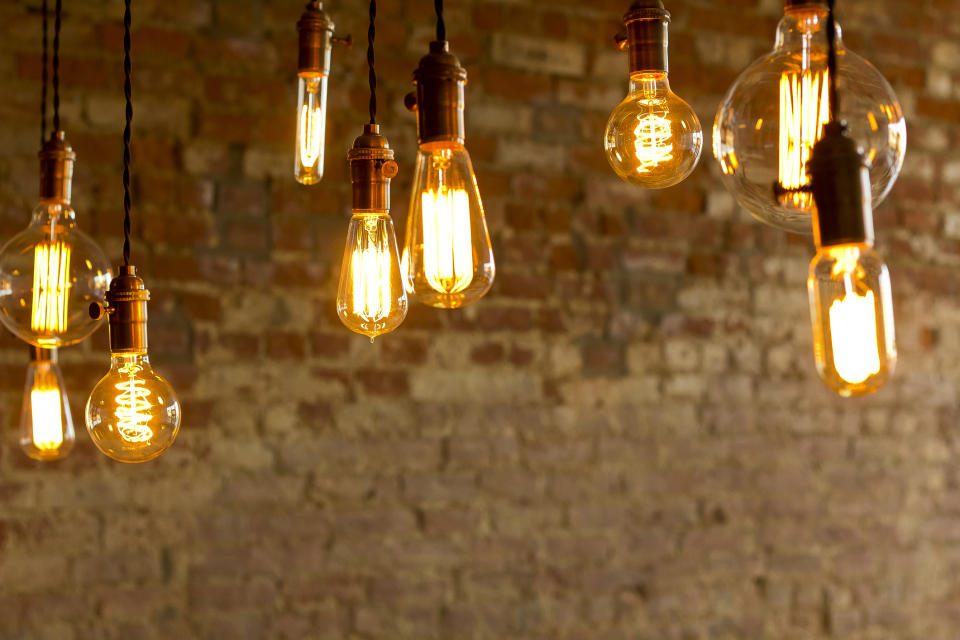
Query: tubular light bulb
pixel 448 256
pixel 46 426
pixel 52 271
pixel 852 318
pixel 371 299
pixel 315 39
pixel 769 119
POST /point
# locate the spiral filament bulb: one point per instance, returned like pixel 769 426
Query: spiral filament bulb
pixel 133 406
pixel 653 136
pixel 51 287
pixel 804 109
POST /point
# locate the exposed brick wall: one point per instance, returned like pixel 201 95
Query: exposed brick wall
pixel 625 440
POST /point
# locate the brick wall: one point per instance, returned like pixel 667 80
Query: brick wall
pixel 625 440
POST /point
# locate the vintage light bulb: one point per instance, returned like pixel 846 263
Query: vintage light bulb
pixel 653 138
pixel 448 259
pixel 770 118
pixel 851 305
pixel 46 425
pixel 371 299
pixel 133 414
pixel 52 271
pixel 316 31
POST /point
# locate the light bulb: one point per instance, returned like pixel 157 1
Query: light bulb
pixel 46 425
pixel 371 299
pixel 52 271
pixel 653 138
pixel 315 29
pixel 133 414
pixel 447 257
pixel 852 315
pixel 770 118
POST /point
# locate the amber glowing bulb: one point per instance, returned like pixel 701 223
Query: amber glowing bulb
pixel 46 425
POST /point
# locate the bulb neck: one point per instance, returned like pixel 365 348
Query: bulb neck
pixel 39 354
pixel 649 84
pixel 438 100
pixel 56 169
pixel 121 360
pixel 840 183
pixel 371 168
pixel 647 36
pixel 805 27
pixel 126 310
pixel 315 29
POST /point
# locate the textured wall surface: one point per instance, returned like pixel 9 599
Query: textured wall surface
pixel 625 440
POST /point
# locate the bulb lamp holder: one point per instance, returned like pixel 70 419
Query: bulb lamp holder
pixel 438 100
pixel 840 184
pixel 371 168
pixel 646 37
pixel 126 309
pixel 316 33
pixel 56 169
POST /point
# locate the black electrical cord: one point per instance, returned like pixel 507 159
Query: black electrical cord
pixel 832 61
pixel 43 90
pixel 371 34
pixel 128 96
pixel 441 25
pixel 56 67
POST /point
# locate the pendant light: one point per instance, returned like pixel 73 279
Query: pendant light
pixel 371 299
pixel 447 257
pixel 133 414
pixel 46 424
pixel 653 138
pixel 777 108
pixel 849 287
pixel 316 39
pixel 52 271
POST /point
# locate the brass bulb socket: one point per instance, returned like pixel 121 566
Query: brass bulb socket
pixel 646 37
pixel 438 100
pixel 840 183
pixel 42 354
pixel 56 169
pixel 316 31
pixel 371 168
pixel 126 311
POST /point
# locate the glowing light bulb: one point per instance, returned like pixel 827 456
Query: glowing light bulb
pixel 52 271
pixel 769 119
pixel 371 299
pixel 46 426
pixel 448 256
pixel 653 138
pixel 133 414
pixel 311 127
pixel 852 318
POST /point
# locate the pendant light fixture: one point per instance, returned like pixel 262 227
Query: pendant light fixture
pixel 132 414
pixel 447 258
pixel 653 138
pixel 371 299
pixel 777 108
pixel 52 271
pixel 46 424
pixel 849 287
pixel 316 40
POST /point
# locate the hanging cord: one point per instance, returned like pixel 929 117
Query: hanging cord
pixel 56 67
pixel 128 96
pixel 441 26
pixel 832 61
pixel 371 34
pixel 43 90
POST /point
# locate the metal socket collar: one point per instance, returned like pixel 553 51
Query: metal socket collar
pixel 126 311
pixel 316 29
pixel 371 168
pixel 56 169
pixel 840 183
pixel 438 100
pixel 645 38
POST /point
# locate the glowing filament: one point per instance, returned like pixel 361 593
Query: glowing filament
pixel 804 109
pixel 310 134
pixel 447 248
pixel 653 141
pixel 133 407
pixel 51 287
pixel 371 276
pixel 853 323
pixel 47 421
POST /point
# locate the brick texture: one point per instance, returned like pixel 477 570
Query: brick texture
pixel 625 440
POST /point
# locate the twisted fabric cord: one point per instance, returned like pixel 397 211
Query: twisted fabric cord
pixel 441 26
pixel 127 94
pixel 43 90
pixel 56 67
pixel 371 34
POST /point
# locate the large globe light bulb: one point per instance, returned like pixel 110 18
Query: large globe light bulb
pixel 775 111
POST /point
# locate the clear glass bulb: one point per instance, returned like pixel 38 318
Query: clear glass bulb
pixel 447 258
pixel 653 138
pixel 851 310
pixel 133 414
pixel 371 299
pixel 49 275
pixel 311 126
pixel 46 425
pixel 774 112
